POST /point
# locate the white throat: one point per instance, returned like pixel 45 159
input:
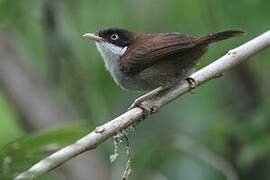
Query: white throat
pixel 111 55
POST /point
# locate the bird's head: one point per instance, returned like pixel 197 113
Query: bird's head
pixel 112 41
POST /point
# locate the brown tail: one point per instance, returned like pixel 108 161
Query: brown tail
pixel 218 36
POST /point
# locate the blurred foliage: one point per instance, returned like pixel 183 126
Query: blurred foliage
pixel 21 154
pixel 230 115
pixel 8 121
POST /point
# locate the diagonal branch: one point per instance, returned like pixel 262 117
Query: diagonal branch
pixel 102 133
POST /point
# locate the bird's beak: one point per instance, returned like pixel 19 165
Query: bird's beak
pixel 93 37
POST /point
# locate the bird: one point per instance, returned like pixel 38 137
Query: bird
pixel 144 62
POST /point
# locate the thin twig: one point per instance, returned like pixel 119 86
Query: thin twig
pixel 134 115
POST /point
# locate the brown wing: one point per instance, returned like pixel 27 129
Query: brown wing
pixel 150 49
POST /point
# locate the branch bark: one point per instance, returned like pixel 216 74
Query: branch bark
pixel 102 133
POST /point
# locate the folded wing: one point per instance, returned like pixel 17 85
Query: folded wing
pixel 151 49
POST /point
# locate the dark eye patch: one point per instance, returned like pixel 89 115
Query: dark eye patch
pixel 123 39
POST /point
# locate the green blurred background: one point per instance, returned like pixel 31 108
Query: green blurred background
pixel 51 78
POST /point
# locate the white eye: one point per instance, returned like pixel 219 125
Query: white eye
pixel 114 37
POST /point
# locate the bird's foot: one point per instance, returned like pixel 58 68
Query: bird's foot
pixel 139 102
pixel 147 111
pixel 192 82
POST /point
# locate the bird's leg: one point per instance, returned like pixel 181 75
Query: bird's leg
pixel 145 97
pixel 138 102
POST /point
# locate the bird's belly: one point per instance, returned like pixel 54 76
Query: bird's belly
pixel 151 78
pixel 165 73
pixel 133 83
